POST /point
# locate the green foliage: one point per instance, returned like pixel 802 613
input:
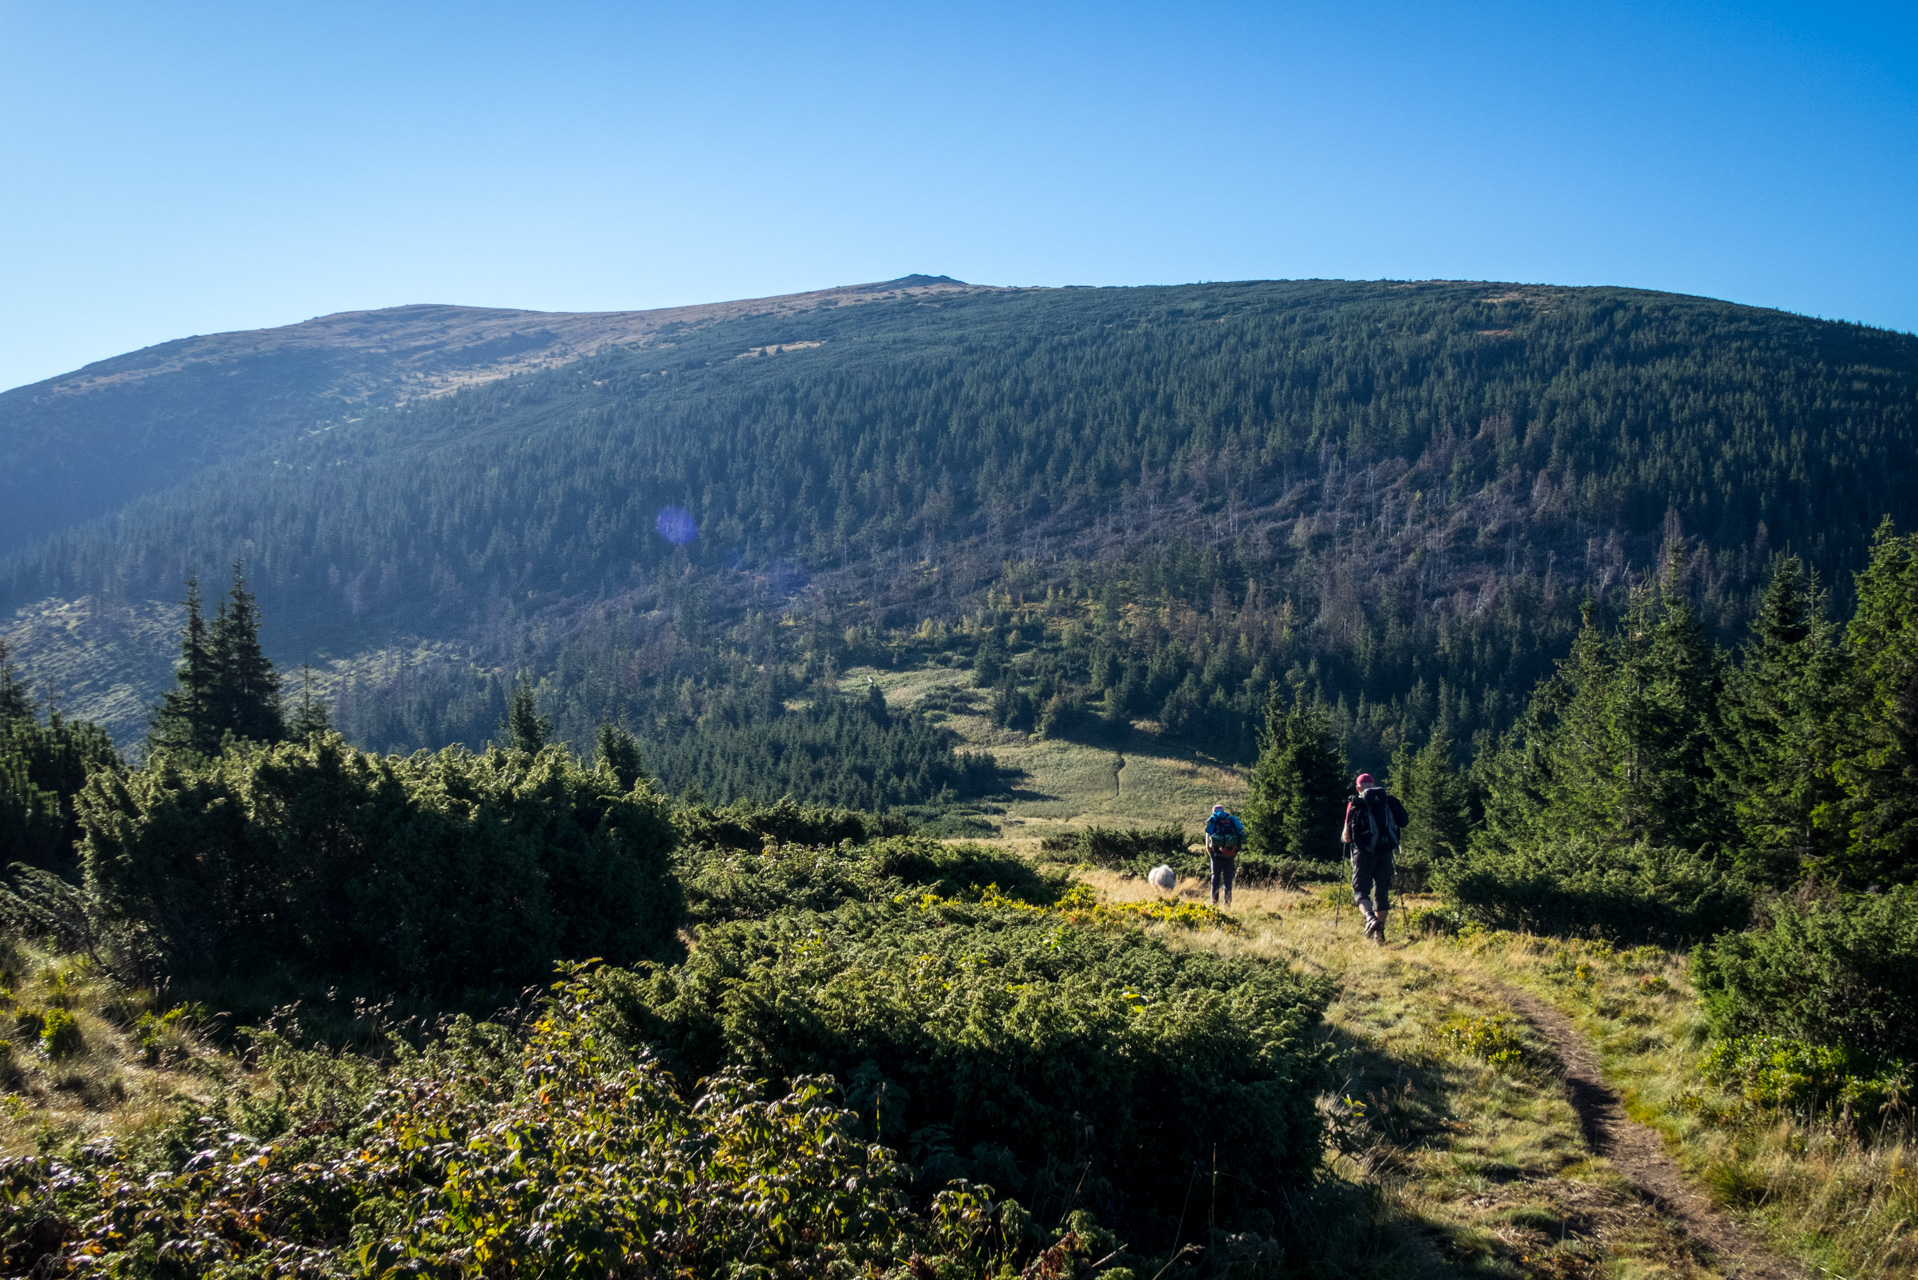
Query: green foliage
pixel 1437 799
pixel 1603 813
pixel 16 702
pixel 1493 1039
pixel 748 824
pixel 1617 746
pixel 738 882
pixel 43 768
pixel 312 860
pixel 310 715
pixel 225 687
pixel 1297 789
pixel 1878 746
pixel 1781 735
pixel 1790 1075
pixel 1134 849
pixel 1834 971
pixel 525 728
pixel 1579 885
pixel 1000 1042
pixel 615 748
pixel 561 1154
pixel 840 750
pixel 60 1035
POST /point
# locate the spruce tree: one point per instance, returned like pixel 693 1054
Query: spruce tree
pixel 1623 744
pixel 525 728
pixel 15 702
pixel 617 751
pixel 1778 746
pixel 310 716
pixel 225 686
pixel 183 720
pixel 989 659
pixel 1295 801
pixel 1437 800
pixel 1877 737
pixel 246 700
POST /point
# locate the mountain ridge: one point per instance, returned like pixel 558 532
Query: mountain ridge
pixel 81 443
pixel 1396 493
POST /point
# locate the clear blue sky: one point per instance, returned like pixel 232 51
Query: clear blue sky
pixel 187 168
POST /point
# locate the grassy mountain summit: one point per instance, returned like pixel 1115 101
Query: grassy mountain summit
pixel 1147 504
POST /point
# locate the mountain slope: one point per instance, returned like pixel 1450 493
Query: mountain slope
pixel 80 445
pixel 1160 503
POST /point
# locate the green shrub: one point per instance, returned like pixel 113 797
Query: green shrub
pixel 749 824
pixel 60 1035
pixel 735 884
pixel 1583 887
pixel 433 871
pixel 1842 971
pixel 1005 1044
pixel 560 1156
pixel 1790 1075
pixel 1136 849
pixel 1494 1039
pixel 962 870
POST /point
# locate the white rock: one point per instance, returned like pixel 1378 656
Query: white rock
pixel 1161 876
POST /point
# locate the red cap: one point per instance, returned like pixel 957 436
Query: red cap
pixel 1363 781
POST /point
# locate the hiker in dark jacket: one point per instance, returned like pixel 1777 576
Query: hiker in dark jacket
pixel 1373 820
pixel 1223 836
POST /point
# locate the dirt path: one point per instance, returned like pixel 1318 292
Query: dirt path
pixel 1639 1153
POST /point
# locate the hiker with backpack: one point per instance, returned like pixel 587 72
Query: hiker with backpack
pixel 1373 820
pixel 1223 836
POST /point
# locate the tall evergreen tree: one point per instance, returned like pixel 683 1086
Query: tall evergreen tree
pixel 183 720
pixel 225 685
pixel 1297 786
pixel 15 702
pixel 616 749
pixel 1778 745
pixel 43 768
pixel 1437 800
pixel 525 728
pixel 1617 745
pixel 246 690
pixel 1877 757
pixel 310 716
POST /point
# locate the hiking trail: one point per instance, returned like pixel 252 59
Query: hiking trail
pixel 1637 1151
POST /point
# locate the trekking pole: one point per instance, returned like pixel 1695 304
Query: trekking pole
pixel 1338 903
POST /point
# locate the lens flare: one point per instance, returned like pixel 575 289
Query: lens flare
pixel 675 524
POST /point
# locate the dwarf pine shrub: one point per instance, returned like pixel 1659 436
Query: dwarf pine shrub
pixel 1837 971
pixel 1003 1042
pixel 316 861
pixel 559 1153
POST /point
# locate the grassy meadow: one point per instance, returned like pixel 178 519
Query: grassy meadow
pixel 1063 783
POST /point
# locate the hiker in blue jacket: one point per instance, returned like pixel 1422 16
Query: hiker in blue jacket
pixel 1223 836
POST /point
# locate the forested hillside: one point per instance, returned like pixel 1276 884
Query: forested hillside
pixel 1114 504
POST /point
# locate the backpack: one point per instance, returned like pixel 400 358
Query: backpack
pixel 1374 828
pixel 1225 830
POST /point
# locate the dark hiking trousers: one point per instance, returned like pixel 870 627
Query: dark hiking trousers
pixel 1223 870
pixel 1371 879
